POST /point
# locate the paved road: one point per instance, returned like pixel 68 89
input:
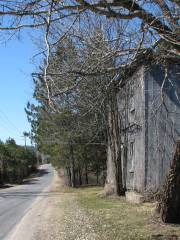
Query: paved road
pixel 15 201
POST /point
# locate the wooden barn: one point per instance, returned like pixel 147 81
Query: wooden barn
pixel 148 113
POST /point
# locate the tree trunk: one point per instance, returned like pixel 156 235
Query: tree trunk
pixel 169 206
pixel 80 175
pixel 114 182
pixel 86 174
pixel 104 175
pixel 97 174
pixel 73 184
pixel 68 175
pixel 72 166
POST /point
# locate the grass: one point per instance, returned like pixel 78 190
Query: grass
pixel 116 219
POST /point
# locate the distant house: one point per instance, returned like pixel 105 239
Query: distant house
pixel 149 111
pixel 143 126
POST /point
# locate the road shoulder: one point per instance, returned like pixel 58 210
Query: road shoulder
pixel 55 216
pixel 33 218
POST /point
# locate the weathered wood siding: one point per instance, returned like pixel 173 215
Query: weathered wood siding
pixel 162 109
pixel 150 122
pixel 131 107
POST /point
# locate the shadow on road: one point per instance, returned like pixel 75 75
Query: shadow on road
pixel 41 172
pixel 4 186
pixel 27 191
pixel 33 178
pixel 28 194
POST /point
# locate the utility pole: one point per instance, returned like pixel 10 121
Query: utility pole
pixel 25 135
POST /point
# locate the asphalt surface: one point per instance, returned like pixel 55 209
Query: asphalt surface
pixel 16 201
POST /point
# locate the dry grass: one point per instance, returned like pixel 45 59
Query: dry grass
pixel 115 219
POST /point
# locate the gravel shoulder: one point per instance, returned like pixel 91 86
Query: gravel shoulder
pixel 55 216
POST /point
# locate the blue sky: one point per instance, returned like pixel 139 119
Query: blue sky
pixel 16 86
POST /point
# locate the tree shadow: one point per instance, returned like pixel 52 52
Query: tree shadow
pixel 29 192
pixel 4 186
pixel 164 237
pixel 23 194
pixel 34 177
pixel 31 179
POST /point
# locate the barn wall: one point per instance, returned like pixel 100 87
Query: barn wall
pixel 163 122
pixel 149 122
pixel 131 109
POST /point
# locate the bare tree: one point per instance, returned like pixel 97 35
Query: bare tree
pixel 158 18
pixel 145 24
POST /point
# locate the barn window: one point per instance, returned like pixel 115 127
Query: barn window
pixel 132 105
pixel 132 148
pixel 131 152
pixel 131 114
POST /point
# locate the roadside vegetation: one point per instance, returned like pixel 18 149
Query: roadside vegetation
pixel 115 218
pixel 72 131
pixel 16 162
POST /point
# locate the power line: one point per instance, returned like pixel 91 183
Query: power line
pixel 9 126
pixel 4 126
pixel 9 130
pixel 8 121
